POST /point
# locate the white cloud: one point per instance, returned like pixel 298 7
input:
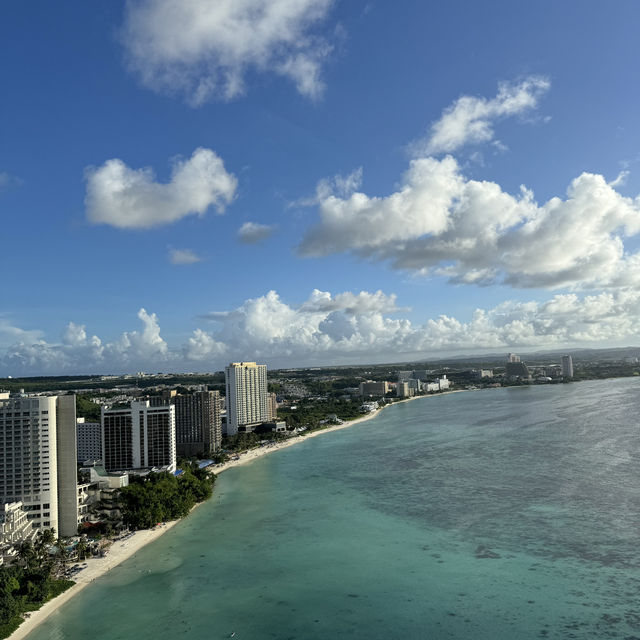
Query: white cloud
pixel 143 346
pixel 340 328
pixel 352 304
pixel 79 353
pixel 201 347
pixel 7 180
pixel 470 119
pixel 206 49
pixel 327 329
pixel 183 256
pixel 339 185
pixel 132 199
pixel 253 232
pixel 473 232
pixel 10 333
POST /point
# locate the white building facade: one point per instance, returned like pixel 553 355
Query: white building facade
pixel 567 366
pixel 14 529
pixel 139 437
pixel 247 398
pixel 38 460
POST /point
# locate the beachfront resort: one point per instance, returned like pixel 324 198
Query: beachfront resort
pixel 75 487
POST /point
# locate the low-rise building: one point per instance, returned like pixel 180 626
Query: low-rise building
pixel 15 528
pixel 440 384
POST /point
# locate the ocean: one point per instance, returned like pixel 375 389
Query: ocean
pixel 509 513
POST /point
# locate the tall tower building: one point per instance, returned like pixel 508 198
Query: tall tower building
pixel 89 440
pixel 38 460
pixel 139 437
pixel 272 399
pixel 567 366
pixel 247 402
pixel 198 423
pixel 515 368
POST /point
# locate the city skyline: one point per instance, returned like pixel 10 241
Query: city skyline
pixel 321 182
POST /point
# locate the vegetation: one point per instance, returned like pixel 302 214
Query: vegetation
pixel 244 441
pixel 29 584
pixel 310 414
pixel 72 383
pixel 159 497
pixel 86 409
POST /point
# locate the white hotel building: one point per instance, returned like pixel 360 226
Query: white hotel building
pixel 38 460
pixel 247 398
pixel 139 437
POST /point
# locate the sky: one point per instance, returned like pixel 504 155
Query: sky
pixel 185 183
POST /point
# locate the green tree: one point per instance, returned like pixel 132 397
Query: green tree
pixel 82 549
pixel 9 607
pixel 27 554
pixel 62 556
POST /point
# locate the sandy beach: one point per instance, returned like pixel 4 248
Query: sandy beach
pixel 121 550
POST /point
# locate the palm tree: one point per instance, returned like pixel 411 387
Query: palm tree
pixel 81 549
pixel 26 553
pixel 44 540
pixel 63 554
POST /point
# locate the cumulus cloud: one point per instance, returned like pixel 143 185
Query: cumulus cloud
pixel 205 50
pixel 330 328
pixel 351 327
pixel 78 352
pixel 132 199
pixel 10 333
pixel 183 256
pixel 253 232
pixel 202 347
pixel 470 118
pixel 351 303
pixel 473 232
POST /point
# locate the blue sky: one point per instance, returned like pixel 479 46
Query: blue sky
pixel 307 182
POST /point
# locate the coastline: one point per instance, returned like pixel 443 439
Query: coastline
pixel 258 452
pixel 122 550
pixel 96 567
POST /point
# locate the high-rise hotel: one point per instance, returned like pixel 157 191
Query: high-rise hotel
pixel 567 366
pixel 247 400
pixel 139 436
pixel 38 460
pixel 198 423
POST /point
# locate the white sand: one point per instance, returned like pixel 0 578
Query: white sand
pixel 96 567
pixel 121 550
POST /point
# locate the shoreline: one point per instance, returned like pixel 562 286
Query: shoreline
pixel 258 452
pixel 120 551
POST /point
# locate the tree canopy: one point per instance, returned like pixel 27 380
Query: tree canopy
pixel 159 497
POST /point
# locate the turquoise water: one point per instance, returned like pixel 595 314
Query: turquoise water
pixel 510 513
